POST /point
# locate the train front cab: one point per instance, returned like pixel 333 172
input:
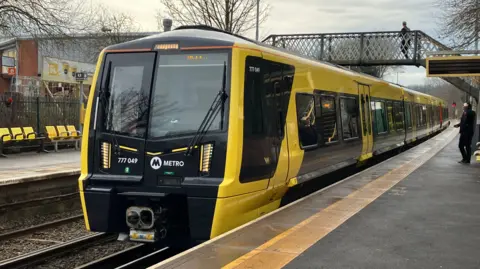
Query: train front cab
pixel 146 185
pixel 138 175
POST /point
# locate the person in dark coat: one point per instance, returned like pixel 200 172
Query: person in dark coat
pixel 404 34
pixel 467 129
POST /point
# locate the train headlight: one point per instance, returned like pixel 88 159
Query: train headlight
pixel 140 217
pixel 206 158
pixel 146 217
pixel 106 152
pixel 133 219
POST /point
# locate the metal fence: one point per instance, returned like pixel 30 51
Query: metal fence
pixel 38 112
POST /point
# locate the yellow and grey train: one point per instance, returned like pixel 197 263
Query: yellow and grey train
pixel 193 132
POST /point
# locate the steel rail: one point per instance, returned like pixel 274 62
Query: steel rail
pixel 36 228
pixel 41 255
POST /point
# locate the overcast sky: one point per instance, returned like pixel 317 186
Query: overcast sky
pixel 325 16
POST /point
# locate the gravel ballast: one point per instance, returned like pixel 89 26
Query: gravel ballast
pixel 81 257
pixel 9 226
pixel 32 242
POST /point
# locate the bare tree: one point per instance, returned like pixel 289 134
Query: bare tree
pixel 235 16
pixel 442 89
pixel 42 17
pixel 106 28
pixel 113 26
pixel 460 21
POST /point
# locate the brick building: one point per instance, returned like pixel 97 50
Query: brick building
pixel 47 65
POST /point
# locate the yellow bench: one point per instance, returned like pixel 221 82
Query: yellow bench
pixel 20 137
pixel 62 134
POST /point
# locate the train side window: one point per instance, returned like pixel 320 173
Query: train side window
pixel 264 116
pixel 318 115
pixel 408 115
pixel 329 119
pixel 391 120
pixel 424 115
pixel 380 117
pixel 418 109
pixel 434 113
pixel 254 102
pixel 398 112
pixel 307 132
pixel 418 115
pixel 349 111
pixel 374 120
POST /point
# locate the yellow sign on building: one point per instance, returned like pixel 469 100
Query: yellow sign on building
pixel 59 70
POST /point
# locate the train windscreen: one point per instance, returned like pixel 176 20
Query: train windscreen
pixel 125 93
pixel 184 88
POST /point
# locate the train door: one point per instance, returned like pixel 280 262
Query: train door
pixel 440 111
pixel 278 79
pixel 366 117
pixel 409 112
pixel 413 115
pixel 265 150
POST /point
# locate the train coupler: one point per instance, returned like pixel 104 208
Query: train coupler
pixel 143 236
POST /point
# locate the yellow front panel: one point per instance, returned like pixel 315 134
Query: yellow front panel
pixel 232 211
pixel 84 150
pixel 230 185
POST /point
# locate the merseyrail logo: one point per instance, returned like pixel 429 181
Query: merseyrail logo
pixel 156 163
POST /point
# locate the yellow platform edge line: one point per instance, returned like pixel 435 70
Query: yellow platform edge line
pixel 282 249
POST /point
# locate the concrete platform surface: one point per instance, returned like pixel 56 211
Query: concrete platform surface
pixel 18 168
pixel 415 210
pixel 431 219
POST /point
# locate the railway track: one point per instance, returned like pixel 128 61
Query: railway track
pixel 38 201
pixel 139 256
pixel 37 228
pixel 39 256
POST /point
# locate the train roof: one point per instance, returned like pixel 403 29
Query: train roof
pixel 206 36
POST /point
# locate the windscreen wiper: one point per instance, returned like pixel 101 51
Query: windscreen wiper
pixel 104 98
pixel 217 104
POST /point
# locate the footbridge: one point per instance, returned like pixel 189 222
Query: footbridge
pixel 370 48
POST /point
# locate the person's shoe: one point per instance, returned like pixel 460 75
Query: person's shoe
pixel 462 161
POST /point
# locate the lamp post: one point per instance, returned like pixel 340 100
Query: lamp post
pixel 258 11
pixel 398 73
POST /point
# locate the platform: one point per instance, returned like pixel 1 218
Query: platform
pixel 30 166
pixel 419 209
